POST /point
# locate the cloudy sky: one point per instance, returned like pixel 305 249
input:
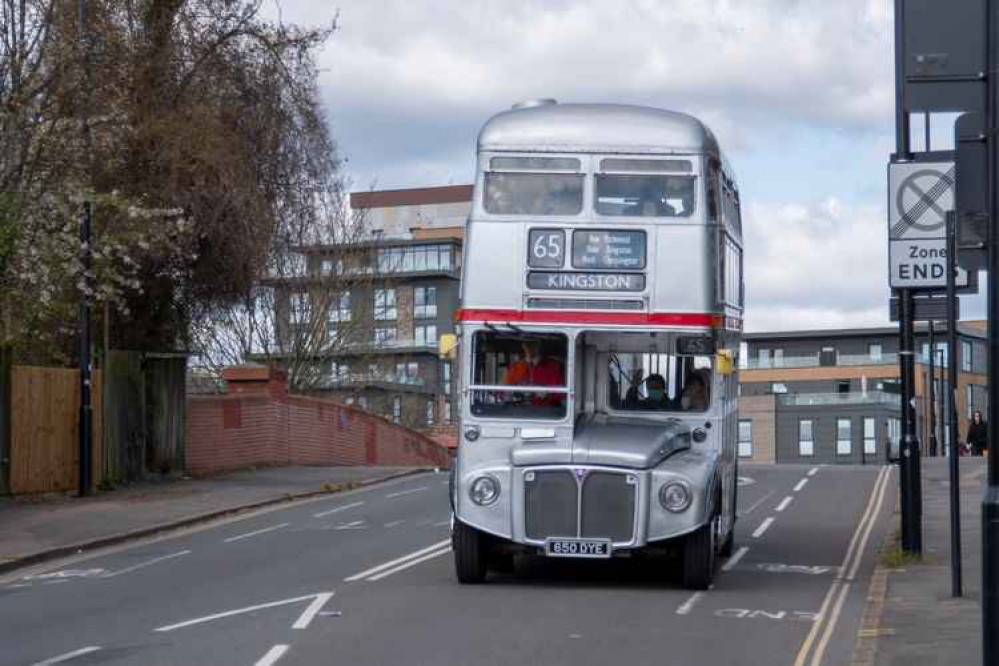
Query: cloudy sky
pixel 799 92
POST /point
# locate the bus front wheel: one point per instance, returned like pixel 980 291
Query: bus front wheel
pixel 470 554
pixel 699 558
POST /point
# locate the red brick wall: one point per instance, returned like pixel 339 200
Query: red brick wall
pixel 244 429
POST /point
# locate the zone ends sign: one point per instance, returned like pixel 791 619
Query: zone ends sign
pixel 920 194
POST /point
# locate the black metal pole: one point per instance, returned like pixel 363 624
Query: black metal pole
pixel 955 498
pixel 909 477
pixel 932 391
pixel 85 435
pixel 990 500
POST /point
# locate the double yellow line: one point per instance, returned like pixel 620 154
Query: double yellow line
pixel 832 605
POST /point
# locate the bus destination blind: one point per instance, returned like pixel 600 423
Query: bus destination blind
pixel 621 250
pixel 586 281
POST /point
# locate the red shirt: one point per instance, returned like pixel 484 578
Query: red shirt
pixel 543 373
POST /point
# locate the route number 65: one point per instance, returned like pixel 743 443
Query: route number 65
pixel 546 248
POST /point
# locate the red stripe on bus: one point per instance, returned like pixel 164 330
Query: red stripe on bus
pixel 580 317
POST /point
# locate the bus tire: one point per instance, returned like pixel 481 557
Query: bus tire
pixel 699 558
pixel 470 554
pixel 729 546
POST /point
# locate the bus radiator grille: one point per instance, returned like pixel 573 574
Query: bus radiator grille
pixel 550 505
pixel 608 506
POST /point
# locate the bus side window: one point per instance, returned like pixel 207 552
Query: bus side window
pixel 713 189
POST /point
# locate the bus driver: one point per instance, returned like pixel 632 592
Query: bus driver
pixel 535 370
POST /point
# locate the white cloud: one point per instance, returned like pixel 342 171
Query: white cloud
pixel 815 266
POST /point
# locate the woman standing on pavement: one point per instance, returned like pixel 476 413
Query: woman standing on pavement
pixel 978 435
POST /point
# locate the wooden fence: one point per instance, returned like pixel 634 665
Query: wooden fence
pixel 44 427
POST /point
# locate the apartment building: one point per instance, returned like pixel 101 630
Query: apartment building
pixel 833 396
pixel 382 305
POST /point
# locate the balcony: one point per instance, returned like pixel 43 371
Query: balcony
pixel 842 360
pixel 833 399
pixel 354 380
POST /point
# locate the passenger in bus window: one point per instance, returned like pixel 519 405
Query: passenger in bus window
pixel 695 393
pixel 534 369
pixel 655 387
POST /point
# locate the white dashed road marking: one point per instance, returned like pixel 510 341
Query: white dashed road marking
pixel 783 503
pixel 323 514
pixel 405 492
pixel 801 484
pixel 255 533
pixel 272 656
pixel 763 527
pixel 66 657
pixel 689 604
pixel 732 561
pixel 812 471
pixel 143 565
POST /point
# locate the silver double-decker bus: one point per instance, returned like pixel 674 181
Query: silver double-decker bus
pixel 600 320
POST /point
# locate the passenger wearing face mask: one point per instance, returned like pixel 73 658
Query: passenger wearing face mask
pixel 655 388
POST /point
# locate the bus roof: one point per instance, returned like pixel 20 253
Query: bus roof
pixel 598 128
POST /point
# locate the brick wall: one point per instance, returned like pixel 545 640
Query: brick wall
pixel 761 409
pixel 258 423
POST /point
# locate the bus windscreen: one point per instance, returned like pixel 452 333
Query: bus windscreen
pixel 634 195
pixel 533 193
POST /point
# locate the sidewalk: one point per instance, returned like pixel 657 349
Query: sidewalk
pixel 34 530
pixel 921 623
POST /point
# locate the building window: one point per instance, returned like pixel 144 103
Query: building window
pixel 362 402
pixel 385 306
pixel 446 377
pixel 430 412
pixel 745 438
pixel 447 412
pixel 301 308
pixel 778 358
pixel 385 335
pixel 874 351
pixel 764 357
pixel 843 386
pixel 425 299
pixel 416 259
pixel 340 308
pixel 407 373
pixel 870 438
pixel 778 388
pixel 396 409
pixel 965 356
pixel 844 439
pixel 806 445
pixel 332 267
pixel 425 336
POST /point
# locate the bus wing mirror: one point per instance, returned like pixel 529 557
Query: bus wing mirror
pixel 446 345
pixel 724 363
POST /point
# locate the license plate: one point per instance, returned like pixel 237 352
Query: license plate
pixel 578 548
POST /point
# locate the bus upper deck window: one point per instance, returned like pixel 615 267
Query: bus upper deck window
pixel 515 193
pixel 645 195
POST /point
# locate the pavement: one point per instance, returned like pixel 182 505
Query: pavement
pixel 366 577
pixel 920 623
pixel 37 529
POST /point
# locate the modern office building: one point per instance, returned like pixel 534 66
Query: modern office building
pixel 381 305
pixel 833 396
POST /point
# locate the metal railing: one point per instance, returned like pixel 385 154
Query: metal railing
pixel 852 398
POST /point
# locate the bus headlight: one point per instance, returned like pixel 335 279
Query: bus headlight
pixel 472 433
pixel 675 496
pixel 699 435
pixel 484 490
